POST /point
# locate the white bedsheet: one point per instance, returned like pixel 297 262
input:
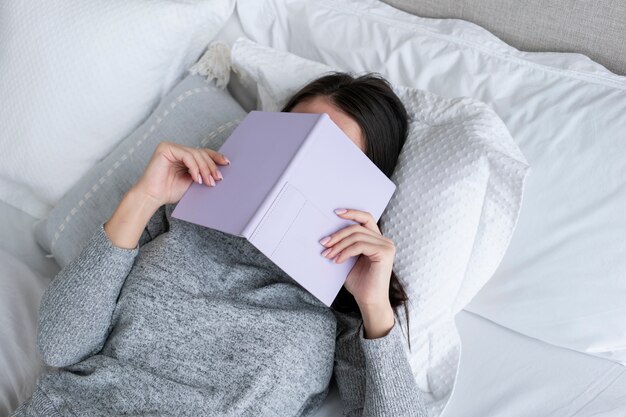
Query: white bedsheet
pixel 504 373
pixel 24 275
pixel 501 373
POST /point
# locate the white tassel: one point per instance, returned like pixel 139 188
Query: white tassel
pixel 214 64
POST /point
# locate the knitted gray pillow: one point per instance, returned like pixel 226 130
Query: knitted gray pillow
pixel 195 113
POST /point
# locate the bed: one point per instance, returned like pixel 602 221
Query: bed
pixel 502 373
pixel 503 370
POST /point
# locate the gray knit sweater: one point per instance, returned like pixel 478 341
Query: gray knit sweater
pixel 196 322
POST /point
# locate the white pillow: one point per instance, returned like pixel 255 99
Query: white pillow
pixel 79 76
pixel 562 279
pixel 460 180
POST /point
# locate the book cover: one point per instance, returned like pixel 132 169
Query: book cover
pixel 288 173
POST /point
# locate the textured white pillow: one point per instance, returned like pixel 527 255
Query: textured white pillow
pixel 78 76
pixel 460 180
pixel 562 279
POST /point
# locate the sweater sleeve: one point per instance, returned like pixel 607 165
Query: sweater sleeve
pixel 374 376
pixel 76 308
pixel 157 224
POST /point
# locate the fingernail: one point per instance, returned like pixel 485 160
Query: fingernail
pixel 227 160
pixel 326 239
pixel 199 179
pixel 219 175
pixel 340 211
pixel 326 252
pixel 212 181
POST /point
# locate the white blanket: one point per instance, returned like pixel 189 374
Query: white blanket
pixel 20 364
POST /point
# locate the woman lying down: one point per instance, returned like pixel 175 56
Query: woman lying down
pixel 162 317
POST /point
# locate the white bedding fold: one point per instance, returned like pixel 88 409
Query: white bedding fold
pixel 20 364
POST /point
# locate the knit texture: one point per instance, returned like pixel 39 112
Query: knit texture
pixel 194 321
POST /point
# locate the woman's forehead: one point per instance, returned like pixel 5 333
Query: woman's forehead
pixel 321 104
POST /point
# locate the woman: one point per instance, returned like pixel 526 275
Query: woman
pixel 158 316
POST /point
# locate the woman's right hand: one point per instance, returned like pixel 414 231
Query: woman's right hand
pixel 173 167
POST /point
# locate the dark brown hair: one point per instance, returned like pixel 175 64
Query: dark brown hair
pixel 370 100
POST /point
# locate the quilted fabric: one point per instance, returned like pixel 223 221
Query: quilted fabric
pixel 460 182
pixel 78 76
pixel 460 179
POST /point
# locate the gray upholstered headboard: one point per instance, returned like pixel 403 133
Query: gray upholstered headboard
pixel 596 28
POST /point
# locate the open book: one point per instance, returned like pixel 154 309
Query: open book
pixel 288 173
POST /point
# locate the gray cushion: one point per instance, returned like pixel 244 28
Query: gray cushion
pixel 593 28
pixel 194 113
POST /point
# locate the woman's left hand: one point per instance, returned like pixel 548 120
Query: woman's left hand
pixel 368 281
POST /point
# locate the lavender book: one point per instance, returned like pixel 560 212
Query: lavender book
pixel 288 172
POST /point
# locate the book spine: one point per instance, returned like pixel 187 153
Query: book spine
pixel 255 220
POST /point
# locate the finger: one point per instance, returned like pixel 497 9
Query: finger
pixel 349 240
pixel 362 217
pixel 213 169
pixel 375 252
pixel 218 157
pixel 203 165
pixel 346 231
pixel 186 157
